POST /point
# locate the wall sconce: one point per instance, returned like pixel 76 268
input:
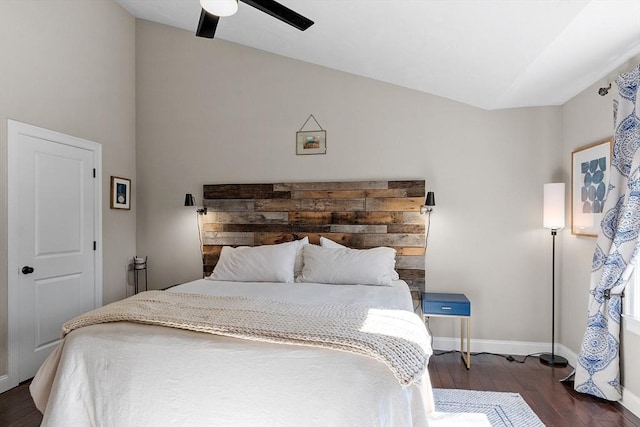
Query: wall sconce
pixel 189 200
pixel 429 203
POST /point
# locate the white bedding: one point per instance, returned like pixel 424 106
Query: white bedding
pixel 126 374
pixel 396 296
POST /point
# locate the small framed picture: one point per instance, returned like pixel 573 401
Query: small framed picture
pixel 589 181
pixel 120 193
pixel 311 142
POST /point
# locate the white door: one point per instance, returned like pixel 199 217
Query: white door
pixel 54 228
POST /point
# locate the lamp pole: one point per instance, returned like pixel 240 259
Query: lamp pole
pixel 546 358
pixel 554 232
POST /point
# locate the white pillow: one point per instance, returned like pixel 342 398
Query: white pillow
pixel 348 266
pixel 328 243
pixel 297 269
pixel 267 263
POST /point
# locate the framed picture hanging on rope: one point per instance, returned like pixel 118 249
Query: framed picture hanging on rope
pixel 589 181
pixel 311 142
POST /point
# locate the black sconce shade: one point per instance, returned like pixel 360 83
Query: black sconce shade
pixel 189 200
pixel 431 199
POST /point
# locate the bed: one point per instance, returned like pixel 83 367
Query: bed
pixel 131 371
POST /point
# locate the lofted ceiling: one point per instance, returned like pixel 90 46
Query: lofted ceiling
pixel 490 54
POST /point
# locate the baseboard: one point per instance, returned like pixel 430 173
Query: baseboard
pixel 514 348
pixel 567 354
pixel 5 384
pixel 631 402
pixel 522 348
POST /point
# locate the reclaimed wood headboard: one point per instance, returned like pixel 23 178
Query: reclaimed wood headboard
pixel 357 214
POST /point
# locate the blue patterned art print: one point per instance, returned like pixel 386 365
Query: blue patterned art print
pixel 589 187
pixel 593 187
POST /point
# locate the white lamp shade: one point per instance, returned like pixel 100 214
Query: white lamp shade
pixel 553 217
pixel 220 7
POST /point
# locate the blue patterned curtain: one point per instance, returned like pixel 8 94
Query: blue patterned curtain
pixel 598 368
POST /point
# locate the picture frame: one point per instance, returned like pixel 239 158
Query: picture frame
pixel 311 142
pixel 120 193
pixel 590 167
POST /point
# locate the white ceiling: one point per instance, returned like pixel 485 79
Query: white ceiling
pixel 488 53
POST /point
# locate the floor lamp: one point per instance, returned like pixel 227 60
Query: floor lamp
pixel 553 219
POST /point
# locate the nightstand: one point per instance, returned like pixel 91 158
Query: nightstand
pixel 140 265
pixel 451 305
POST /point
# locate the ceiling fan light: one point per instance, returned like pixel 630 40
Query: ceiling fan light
pixel 220 7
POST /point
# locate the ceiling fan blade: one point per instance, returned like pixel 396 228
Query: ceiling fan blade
pixel 207 25
pixel 281 12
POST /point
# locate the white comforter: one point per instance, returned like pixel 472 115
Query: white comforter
pixel 126 374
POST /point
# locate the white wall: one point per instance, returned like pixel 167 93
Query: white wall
pixel 69 66
pixel 210 111
pixel 588 118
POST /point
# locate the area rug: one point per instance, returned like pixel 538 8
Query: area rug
pixel 463 408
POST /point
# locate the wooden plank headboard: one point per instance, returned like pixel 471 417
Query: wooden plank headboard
pixel 358 214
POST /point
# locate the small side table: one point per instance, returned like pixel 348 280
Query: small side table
pixel 139 264
pixel 451 305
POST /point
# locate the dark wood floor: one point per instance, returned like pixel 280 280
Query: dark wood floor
pixel 17 408
pixel 556 404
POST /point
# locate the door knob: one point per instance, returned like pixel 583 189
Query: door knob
pixel 27 270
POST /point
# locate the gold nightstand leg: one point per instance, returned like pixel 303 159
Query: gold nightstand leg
pixel 467 357
pixel 469 342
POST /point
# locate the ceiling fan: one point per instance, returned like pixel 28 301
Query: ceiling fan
pixel 212 10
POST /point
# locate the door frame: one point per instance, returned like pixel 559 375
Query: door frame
pixel 14 129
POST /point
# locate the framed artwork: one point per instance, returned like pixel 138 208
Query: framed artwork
pixel 311 142
pixel 120 193
pixel 589 181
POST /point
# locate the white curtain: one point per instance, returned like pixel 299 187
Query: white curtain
pixel 598 368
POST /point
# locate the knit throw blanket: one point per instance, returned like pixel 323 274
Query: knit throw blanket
pixel 397 338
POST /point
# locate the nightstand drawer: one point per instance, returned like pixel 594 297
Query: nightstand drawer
pixel 445 304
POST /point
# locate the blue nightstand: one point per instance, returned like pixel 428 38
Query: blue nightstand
pixel 451 305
